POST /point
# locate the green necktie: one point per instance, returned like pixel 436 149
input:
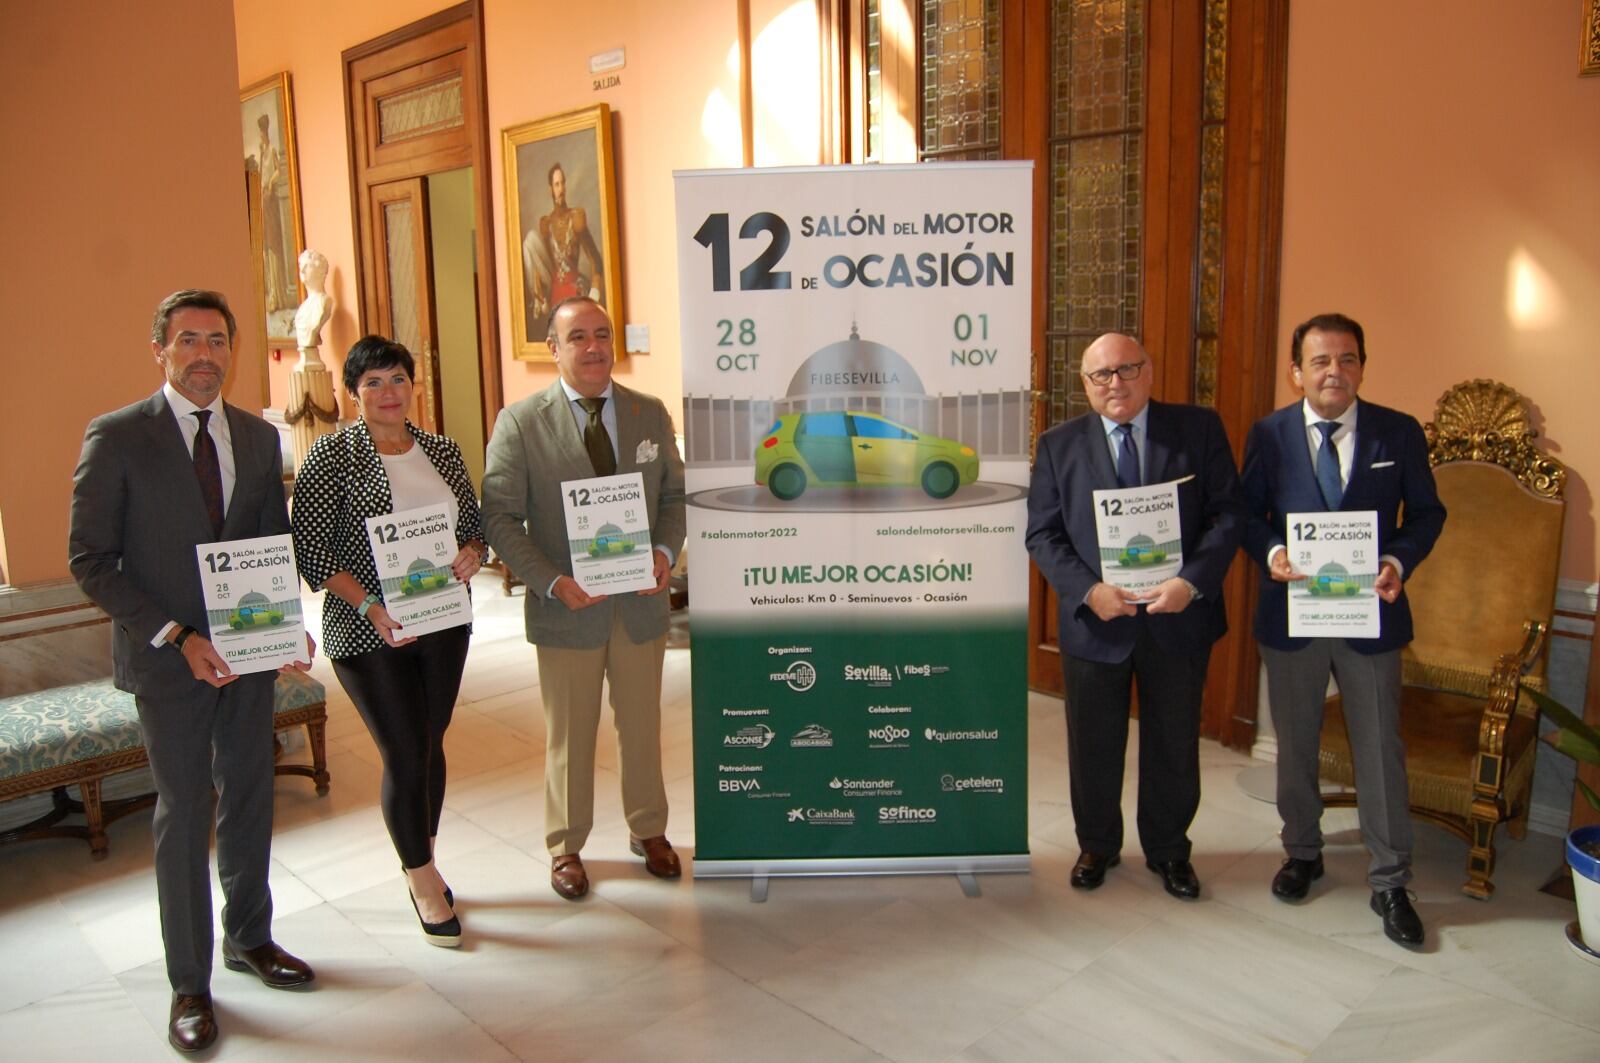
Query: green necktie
pixel 596 440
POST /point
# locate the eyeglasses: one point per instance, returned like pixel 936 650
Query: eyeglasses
pixel 1101 377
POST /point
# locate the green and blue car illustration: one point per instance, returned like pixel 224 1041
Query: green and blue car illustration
pixel 1333 580
pixel 1141 551
pixel 423 576
pixel 850 448
pixel 609 540
pixel 254 610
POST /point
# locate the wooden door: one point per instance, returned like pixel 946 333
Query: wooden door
pixel 403 286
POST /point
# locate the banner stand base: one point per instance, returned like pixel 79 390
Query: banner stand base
pixel 964 868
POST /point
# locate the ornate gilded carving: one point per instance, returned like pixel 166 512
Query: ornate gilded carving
pixel 1589 43
pixel 1484 420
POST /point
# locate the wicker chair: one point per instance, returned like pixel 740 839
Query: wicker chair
pixel 1482 602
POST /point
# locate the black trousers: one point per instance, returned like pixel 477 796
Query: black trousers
pixel 1098 699
pixel 407 695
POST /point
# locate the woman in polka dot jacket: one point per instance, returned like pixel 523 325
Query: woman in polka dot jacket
pixel 404 687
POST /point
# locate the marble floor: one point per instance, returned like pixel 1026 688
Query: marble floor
pixel 896 968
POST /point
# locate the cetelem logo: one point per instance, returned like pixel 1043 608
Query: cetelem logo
pixel 979 784
pixel 933 735
pixel 812 736
pixel 758 736
pixel 823 817
pixel 864 787
pixel 906 814
pixel 873 674
pixel 888 736
pixel 800 675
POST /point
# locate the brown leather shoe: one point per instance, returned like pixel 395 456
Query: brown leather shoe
pixel 567 876
pixel 192 1025
pixel 269 963
pixel 659 859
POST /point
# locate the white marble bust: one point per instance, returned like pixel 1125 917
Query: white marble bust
pixel 318 305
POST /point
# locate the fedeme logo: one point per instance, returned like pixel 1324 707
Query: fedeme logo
pixel 888 736
pixel 757 736
pixel 800 675
pixel 906 814
pixel 977 784
pixel 934 735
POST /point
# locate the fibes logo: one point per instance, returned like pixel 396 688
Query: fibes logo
pixel 888 736
pixel 823 817
pixel 906 814
pixel 738 786
pixel 924 669
pixel 758 736
pixel 874 674
pixel 933 735
pixel 798 676
pixel 812 736
pixel 979 784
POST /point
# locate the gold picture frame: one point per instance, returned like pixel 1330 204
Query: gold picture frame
pixel 266 114
pixel 1589 40
pixel 562 236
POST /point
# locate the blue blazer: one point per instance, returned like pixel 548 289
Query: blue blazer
pixel 1390 473
pixel 1186 444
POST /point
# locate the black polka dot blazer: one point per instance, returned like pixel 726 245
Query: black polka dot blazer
pixel 340 485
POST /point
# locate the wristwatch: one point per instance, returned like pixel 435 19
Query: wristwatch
pixel 183 636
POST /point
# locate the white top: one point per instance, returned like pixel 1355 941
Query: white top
pixel 414 482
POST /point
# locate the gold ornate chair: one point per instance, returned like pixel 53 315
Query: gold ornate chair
pixel 1482 603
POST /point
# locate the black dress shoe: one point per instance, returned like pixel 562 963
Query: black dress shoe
pixel 192 1024
pixel 1178 877
pixel 1091 868
pixel 1400 921
pixel 269 963
pixel 1295 877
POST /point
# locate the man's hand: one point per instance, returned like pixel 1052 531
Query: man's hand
pixel 387 627
pixel 305 665
pixel 1388 582
pixel 1108 602
pixel 1281 569
pixel 663 574
pixel 1170 596
pixel 573 596
pixel 205 662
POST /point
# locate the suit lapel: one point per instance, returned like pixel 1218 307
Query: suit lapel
pixel 1297 452
pixel 1159 446
pixel 166 443
pixel 562 425
pixel 1101 471
pixel 628 438
pixel 1366 451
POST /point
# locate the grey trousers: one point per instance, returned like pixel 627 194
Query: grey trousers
pixel 1369 685
pixel 221 738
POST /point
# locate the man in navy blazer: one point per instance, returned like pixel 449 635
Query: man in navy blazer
pixel 1330 452
pixel 1109 637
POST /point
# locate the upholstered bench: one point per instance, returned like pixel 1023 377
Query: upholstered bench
pixel 78 735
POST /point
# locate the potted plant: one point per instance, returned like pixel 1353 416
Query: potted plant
pixel 1581 742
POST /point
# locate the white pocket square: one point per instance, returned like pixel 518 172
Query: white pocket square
pixel 1382 464
pixel 1183 480
pixel 647 452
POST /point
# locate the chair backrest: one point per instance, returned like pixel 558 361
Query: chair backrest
pixel 1496 563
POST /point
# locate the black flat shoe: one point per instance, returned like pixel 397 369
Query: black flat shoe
pixel 1293 880
pixel 1177 878
pixel 1401 924
pixel 446 935
pixel 1090 870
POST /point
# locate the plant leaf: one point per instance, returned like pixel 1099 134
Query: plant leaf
pixel 1593 798
pixel 1574 746
pixel 1564 718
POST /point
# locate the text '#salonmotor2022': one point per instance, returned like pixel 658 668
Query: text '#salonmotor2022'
pixel 856 402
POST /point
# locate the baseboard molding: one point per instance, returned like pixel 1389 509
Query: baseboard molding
pixel 40 597
pixel 1265 749
pixel 1545 819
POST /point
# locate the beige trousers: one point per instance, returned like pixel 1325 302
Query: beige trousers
pixel 570 683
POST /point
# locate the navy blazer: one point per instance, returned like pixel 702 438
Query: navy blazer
pixel 1390 473
pixel 1184 443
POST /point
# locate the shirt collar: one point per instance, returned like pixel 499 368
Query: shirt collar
pixel 1345 420
pixel 573 396
pixel 182 407
pixel 1138 420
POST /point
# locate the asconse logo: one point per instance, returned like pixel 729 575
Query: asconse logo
pixel 758 736
pixel 800 675
pixel 906 814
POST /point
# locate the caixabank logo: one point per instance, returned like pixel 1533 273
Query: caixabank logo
pixel 907 814
pixel 972 784
pixel 823 817
pixel 756 736
pixel 889 736
pixel 933 734
pixel 864 787
pixel 800 676
pixel 812 736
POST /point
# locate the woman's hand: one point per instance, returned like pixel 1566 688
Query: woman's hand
pixel 467 563
pixel 386 626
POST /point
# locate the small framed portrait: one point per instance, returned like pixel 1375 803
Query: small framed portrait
pixel 266 111
pixel 561 221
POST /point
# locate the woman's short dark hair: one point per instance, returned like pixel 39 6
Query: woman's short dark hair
pixel 375 352
pixel 1329 323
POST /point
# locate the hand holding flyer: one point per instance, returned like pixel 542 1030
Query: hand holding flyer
pixel 608 531
pixel 252 596
pixel 413 550
pixel 1338 552
pixel 1141 545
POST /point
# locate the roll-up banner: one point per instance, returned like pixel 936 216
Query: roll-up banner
pixel 856 409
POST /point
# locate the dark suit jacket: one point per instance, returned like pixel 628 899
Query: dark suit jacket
pixel 1390 470
pixel 535 447
pixel 137 515
pixel 1186 444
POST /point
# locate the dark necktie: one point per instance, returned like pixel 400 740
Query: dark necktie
pixel 596 440
pixel 1328 465
pixel 1127 458
pixel 208 470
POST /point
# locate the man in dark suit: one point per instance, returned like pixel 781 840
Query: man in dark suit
pixel 1108 636
pixel 1326 453
pixel 155 480
pixel 586 425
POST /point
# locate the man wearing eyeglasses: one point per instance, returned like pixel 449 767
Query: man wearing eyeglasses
pixel 1110 637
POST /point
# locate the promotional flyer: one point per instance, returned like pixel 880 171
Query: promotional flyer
pixel 1338 552
pixel 252 594
pixel 413 550
pixel 856 420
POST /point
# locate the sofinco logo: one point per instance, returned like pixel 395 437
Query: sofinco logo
pixel 800 675
pixel 757 736
pixel 906 814
pixel 812 736
pixel 864 787
pixel 888 736
pixel 934 735
pixel 824 817
pixel 872 674
pixel 978 784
